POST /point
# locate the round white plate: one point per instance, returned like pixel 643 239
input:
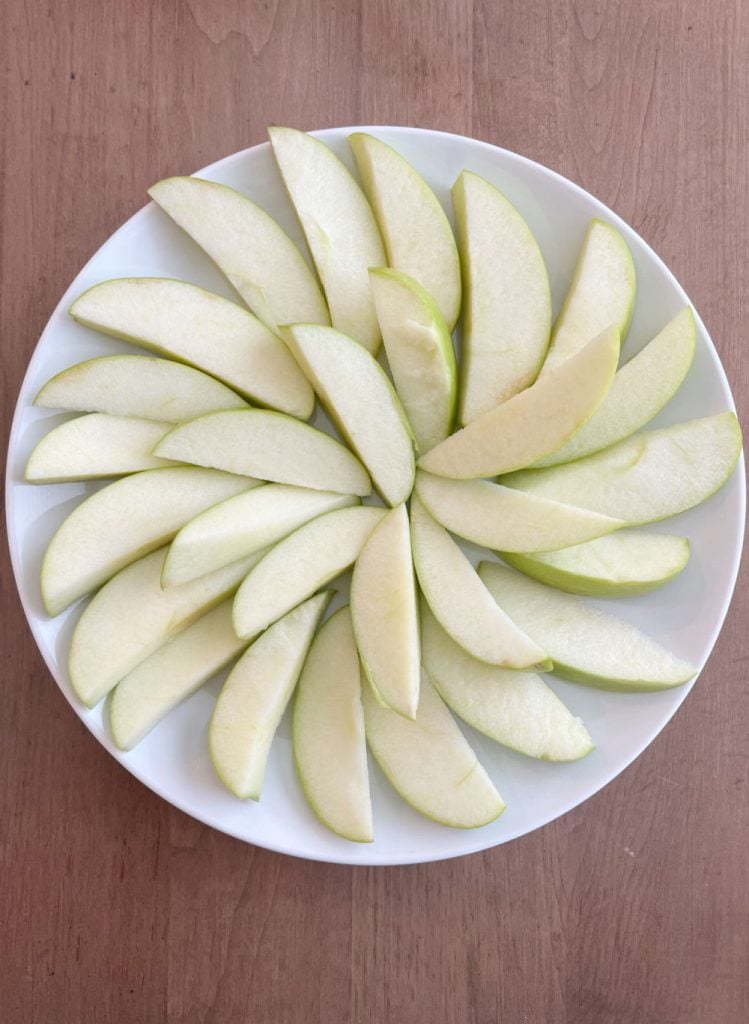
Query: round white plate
pixel 686 615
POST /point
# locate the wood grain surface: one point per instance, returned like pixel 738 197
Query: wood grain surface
pixel 114 907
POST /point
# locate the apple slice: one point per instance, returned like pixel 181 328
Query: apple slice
pixel 172 674
pixel 339 226
pixel 385 614
pixel 255 695
pixel 238 527
pixel 638 392
pixel 648 477
pixel 461 602
pixel 533 423
pixel 625 563
pixel 416 232
pixel 300 564
pixel 188 323
pixel 124 521
pixel 505 519
pixel 254 253
pixel 330 748
pixel 131 617
pixel 602 294
pixel 517 709
pixel 420 354
pixel 142 386
pixel 507 305
pixel 94 446
pixel 358 394
pixel 586 645
pixel 268 445
pixel 429 761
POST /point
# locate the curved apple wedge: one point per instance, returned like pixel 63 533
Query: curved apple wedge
pixel 270 446
pixel 587 645
pixel 385 614
pixel 461 602
pixel 300 564
pixel 185 322
pixel 255 695
pixel 254 253
pixel 429 762
pixel 330 748
pixel 517 709
pixel 124 521
pixel 358 394
pixel 534 422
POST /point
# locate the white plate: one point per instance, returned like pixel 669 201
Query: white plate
pixel 686 615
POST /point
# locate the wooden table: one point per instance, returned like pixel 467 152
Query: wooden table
pixel 633 908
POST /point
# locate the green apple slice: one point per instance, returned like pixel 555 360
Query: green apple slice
pixel 93 446
pixel 188 323
pixel 420 354
pixel 385 614
pixel 172 674
pixel 268 445
pixel 625 563
pixel 602 294
pixel 339 226
pixel 330 748
pixel 647 477
pixel 461 602
pixel 238 527
pixel 505 519
pixel 587 645
pixel 132 616
pixel 124 521
pixel 255 695
pixel 414 227
pixel 358 394
pixel 254 253
pixel 534 422
pixel 507 304
pixel 142 386
pixel 517 709
pixel 306 560
pixel 429 762
pixel 638 392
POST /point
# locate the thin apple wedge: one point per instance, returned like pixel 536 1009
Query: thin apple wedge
pixel 587 645
pixel 254 253
pixel 507 303
pixel 270 446
pixel 255 695
pixel 505 519
pixel 517 709
pixel 429 762
pixel 414 227
pixel 358 394
pixel 385 614
pixel 623 564
pixel 339 226
pixel 132 616
pixel 188 323
pixel 142 386
pixel 306 560
pixel 172 674
pixel 534 422
pixel 94 446
pixel 124 521
pixel 461 602
pixel 238 527
pixel 330 748
pixel 648 477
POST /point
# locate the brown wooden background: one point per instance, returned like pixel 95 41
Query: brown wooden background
pixel 116 908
